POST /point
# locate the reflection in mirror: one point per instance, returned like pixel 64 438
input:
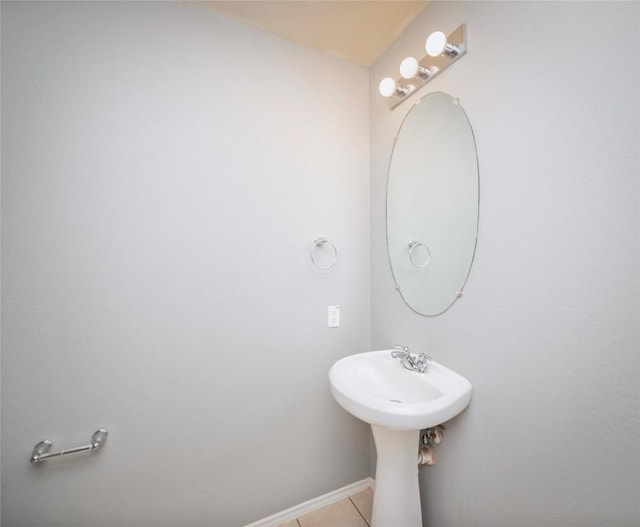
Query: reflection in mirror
pixel 432 204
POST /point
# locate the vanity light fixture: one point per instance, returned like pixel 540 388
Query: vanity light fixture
pixel 410 68
pixel 437 44
pixel 442 51
pixel 389 87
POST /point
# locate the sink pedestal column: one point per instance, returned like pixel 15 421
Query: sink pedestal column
pixel 396 498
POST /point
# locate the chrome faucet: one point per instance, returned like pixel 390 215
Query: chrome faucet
pixel 411 361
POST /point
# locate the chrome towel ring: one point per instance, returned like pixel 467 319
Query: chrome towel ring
pixel 318 243
pixel 412 247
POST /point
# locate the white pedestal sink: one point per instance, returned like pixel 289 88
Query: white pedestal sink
pixel 397 403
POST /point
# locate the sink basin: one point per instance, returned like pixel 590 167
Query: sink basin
pixel 376 388
pixel 397 403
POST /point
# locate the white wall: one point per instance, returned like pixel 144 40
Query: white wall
pixel 548 328
pixel 164 174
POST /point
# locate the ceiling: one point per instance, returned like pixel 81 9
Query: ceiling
pixel 356 30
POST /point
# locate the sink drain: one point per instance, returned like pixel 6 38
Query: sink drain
pixel 394 401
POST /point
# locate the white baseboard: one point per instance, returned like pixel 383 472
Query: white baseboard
pixel 313 504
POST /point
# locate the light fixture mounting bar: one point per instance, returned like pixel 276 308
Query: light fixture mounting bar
pixel 441 62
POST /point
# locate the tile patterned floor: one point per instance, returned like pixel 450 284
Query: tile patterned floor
pixel 354 511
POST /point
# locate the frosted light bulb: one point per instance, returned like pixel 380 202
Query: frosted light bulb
pixel 387 87
pixel 435 44
pixel 409 68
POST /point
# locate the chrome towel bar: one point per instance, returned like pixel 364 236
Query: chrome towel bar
pixel 41 450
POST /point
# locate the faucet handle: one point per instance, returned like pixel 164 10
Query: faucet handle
pixel 422 359
pixel 420 362
pixel 401 352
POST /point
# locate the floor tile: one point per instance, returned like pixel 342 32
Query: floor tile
pixel 364 502
pixel 340 514
pixel 292 523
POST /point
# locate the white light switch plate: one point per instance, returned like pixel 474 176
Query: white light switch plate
pixel 333 316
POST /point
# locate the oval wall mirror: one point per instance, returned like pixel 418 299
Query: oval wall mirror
pixel 432 204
